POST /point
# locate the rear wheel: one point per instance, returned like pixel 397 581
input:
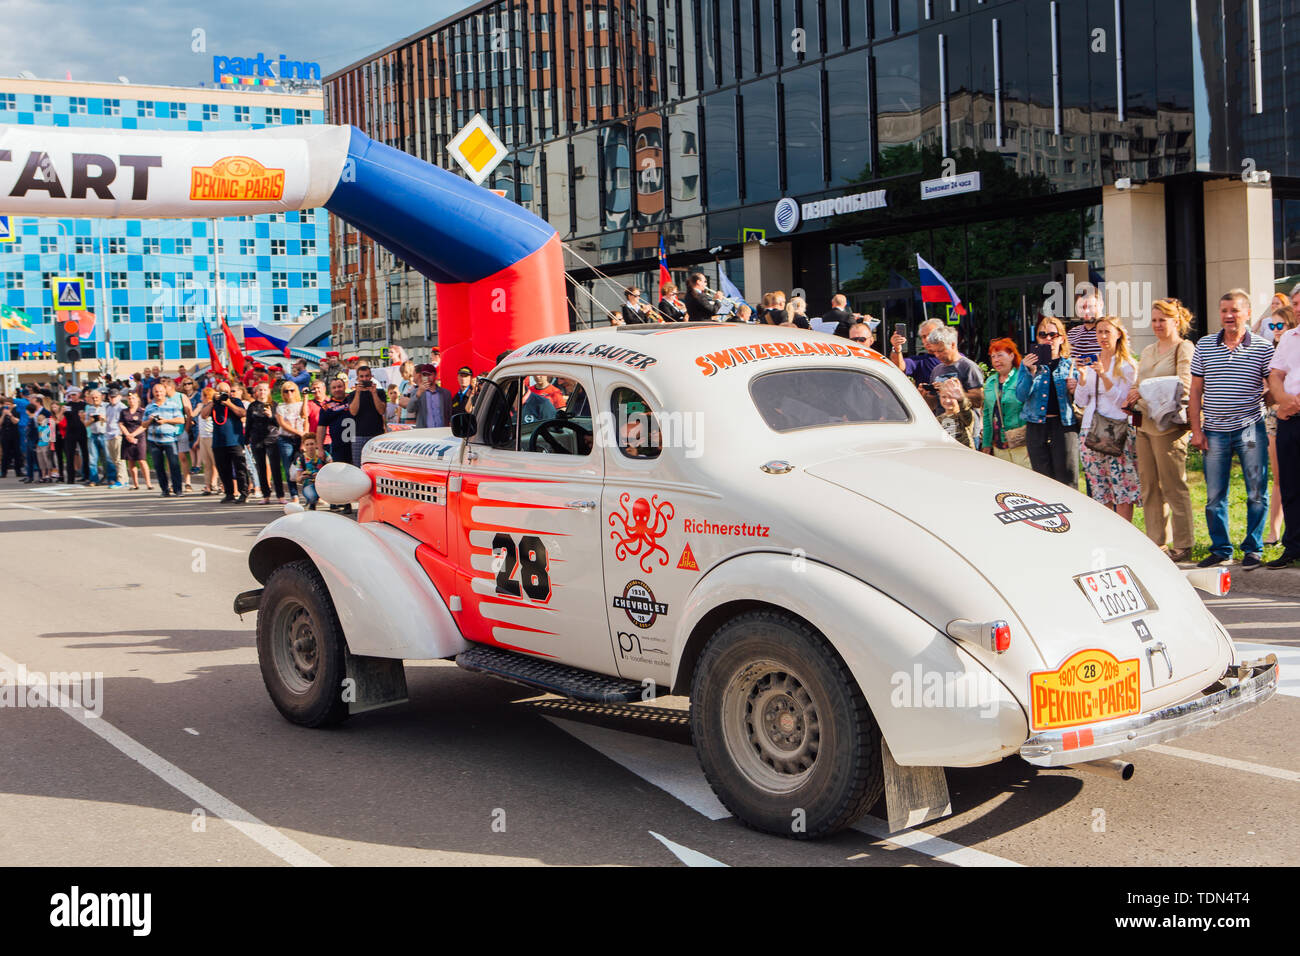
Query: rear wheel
pixel 783 733
pixel 300 647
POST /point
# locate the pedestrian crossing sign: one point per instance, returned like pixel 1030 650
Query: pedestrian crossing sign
pixel 6 229
pixel 69 294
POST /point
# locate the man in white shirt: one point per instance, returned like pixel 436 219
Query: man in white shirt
pixel 1284 386
pixel 113 438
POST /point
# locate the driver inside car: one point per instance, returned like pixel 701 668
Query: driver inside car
pixel 539 406
pixel 638 434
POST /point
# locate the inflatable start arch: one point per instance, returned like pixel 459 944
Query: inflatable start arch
pixel 499 269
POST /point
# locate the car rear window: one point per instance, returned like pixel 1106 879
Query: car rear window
pixel 811 397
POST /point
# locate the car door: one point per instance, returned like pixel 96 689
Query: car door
pixel 649 566
pixel 529 520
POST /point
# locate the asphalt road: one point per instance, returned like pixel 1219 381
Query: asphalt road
pixel 191 764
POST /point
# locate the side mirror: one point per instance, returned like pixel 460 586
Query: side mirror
pixel 464 425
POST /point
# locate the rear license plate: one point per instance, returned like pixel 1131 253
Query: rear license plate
pixel 1114 593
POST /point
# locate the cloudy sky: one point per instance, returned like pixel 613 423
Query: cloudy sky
pixel 150 41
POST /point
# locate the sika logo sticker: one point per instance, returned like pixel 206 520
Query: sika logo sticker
pixel 1037 514
pixel 639 603
pixel 238 178
pixel 640 532
pixel 687 562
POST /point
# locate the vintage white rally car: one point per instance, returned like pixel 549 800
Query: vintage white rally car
pixel 771 522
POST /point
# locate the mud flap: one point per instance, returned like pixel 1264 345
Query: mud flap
pixel 913 795
pixel 375 682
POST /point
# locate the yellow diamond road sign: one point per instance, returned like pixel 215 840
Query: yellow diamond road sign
pixel 476 149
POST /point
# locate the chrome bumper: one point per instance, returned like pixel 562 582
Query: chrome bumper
pixel 1247 685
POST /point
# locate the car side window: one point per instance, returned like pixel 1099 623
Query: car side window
pixel 546 414
pixel 636 432
pixel 498 418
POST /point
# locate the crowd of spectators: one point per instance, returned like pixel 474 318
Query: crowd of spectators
pixel 257 438
pixel 1078 400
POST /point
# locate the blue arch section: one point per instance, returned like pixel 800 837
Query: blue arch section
pixel 446 227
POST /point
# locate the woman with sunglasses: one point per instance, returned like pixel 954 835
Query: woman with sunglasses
pixel 1046 391
pixel 1282 320
pixel 291 414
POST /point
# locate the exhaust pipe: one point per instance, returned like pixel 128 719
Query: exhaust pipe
pixel 1115 768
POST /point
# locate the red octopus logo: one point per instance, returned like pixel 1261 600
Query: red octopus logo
pixel 641 533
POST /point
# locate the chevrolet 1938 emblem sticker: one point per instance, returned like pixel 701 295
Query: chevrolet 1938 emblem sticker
pixel 1035 513
pixel 639 603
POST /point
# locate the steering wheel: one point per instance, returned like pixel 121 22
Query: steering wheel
pixel 542 435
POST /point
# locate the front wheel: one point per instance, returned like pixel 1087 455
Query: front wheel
pixel 300 647
pixel 782 730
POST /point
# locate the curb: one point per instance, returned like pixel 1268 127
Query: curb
pixel 1285 581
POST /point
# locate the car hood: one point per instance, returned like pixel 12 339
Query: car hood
pixel 1029 536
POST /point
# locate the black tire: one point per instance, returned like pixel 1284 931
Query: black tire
pixel 300 647
pixel 815 746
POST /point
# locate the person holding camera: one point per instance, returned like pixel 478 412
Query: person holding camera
pixel 367 404
pixel 132 425
pixel 1110 443
pixel 1046 391
pixel 263 435
pixel 164 418
pixel 95 419
pixel 227 415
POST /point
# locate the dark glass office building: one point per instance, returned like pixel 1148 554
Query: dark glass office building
pixel 820 145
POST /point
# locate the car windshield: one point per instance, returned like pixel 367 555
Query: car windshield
pixel 808 398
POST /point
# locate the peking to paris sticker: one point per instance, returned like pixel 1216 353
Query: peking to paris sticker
pixel 1016 507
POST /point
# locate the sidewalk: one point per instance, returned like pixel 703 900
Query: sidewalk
pixel 1261 580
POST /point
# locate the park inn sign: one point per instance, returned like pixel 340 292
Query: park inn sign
pixel 790 213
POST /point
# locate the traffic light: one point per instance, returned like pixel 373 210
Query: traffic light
pixel 67 340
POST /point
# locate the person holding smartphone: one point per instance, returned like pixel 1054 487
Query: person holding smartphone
pixel 1046 391
pixel 367 405
pixel 94 417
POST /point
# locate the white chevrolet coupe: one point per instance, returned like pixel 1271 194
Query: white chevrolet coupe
pixel 771 522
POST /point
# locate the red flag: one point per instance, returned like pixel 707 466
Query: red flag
pixel 232 346
pixel 664 277
pixel 217 367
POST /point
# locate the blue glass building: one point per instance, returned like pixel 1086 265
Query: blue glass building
pixel 159 282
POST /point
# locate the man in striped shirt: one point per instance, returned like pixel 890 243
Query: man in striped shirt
pixel 1088 308
pixel 1226 413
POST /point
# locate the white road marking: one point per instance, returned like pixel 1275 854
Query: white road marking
pixel 674 768
pixel 293 853
pixel 201 544
pixel 1288 661
pixel 1266 625
pixel 44 511
pixel 51 491
pixel 671 767
pixel 1228 762
pixel 191 730
pixel 106 524
pixel 935 847
pixel 686 854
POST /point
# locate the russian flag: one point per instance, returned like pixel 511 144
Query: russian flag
pixel 256 337
pixel 935 288
pixel 664 276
